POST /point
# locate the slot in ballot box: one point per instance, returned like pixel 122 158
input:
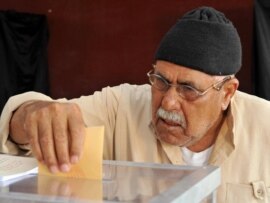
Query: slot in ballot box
pixel 122 182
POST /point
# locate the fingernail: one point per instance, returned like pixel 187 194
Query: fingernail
pixel 53 169
pixel 74 159
pixel 64 167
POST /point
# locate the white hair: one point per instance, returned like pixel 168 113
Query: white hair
pixel 171 116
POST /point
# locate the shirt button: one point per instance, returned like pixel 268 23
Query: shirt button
pixel 260 193
pixel 259 189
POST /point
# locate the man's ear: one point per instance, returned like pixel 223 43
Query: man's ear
pixel 229 89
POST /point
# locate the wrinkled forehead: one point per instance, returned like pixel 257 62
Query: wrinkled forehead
pixel 170 71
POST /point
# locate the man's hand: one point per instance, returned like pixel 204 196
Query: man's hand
pixel 55 132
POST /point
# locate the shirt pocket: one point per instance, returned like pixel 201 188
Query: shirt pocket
pixel 255 192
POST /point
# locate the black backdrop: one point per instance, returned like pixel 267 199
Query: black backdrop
pixel 23 54
pixel 262 48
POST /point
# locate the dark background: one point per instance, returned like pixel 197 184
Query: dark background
pixel 101 43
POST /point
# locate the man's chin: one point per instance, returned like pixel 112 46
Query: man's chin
pixel 173 140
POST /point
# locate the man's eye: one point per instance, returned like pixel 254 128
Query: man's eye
pixel 186 88
pixel 160 81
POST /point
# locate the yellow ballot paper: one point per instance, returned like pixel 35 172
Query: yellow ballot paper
pixel 84 181
pixel 90 164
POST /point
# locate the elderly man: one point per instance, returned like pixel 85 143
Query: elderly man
pixel 192 114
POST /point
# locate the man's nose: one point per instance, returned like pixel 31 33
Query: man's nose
pixel 171 99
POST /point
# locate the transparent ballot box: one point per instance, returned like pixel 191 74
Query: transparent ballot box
pixel 122 182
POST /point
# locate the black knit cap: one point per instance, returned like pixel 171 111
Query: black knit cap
pixel 205 40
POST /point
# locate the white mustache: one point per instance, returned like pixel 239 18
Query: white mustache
pixel 171 116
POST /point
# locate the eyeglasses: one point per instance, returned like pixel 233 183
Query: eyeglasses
pixel 187 92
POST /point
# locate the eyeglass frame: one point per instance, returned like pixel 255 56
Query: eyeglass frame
pixel 217 86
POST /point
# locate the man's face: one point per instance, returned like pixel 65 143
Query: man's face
pixel 181 122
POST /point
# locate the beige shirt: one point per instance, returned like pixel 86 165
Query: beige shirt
pixel 242 148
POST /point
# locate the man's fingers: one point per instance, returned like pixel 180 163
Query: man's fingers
pixel 55 132
pixel 60 134
pixel 30 129
pixel 47 145
pixel 77 134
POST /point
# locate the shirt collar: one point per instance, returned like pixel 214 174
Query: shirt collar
pixel 225 143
